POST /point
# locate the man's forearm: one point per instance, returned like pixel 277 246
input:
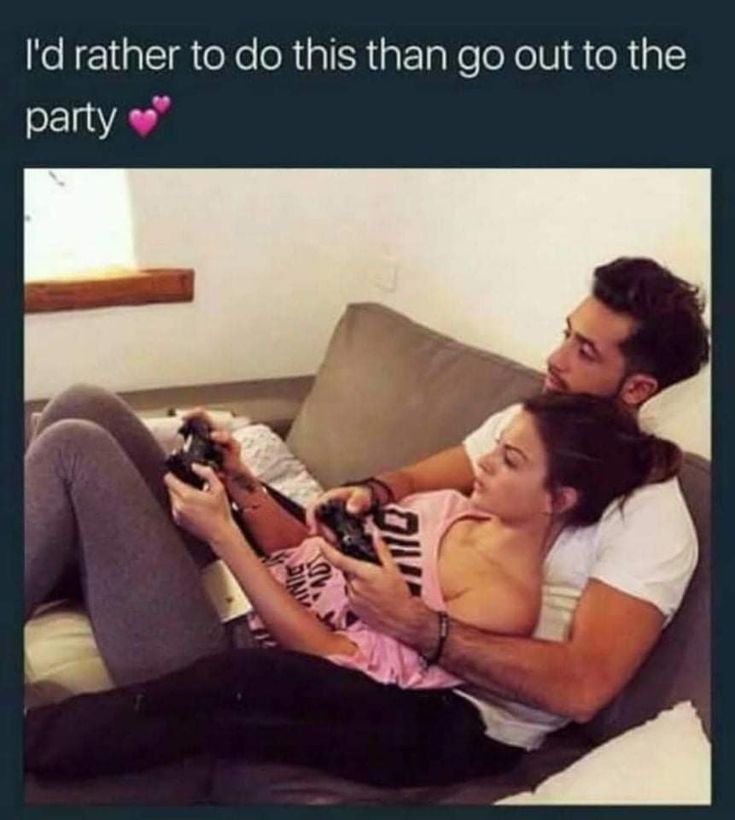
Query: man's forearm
pixel 400 483
pixel 450 469
pixel 544 674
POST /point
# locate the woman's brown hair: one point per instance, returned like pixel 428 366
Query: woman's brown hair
pixel 595 446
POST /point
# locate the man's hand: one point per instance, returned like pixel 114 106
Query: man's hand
pixel 358 500
pixel 379 595
pixel 204 513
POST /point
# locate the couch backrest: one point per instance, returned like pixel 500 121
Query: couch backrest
pixel 391 391
pixel 679 666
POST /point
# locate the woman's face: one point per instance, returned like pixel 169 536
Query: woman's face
pixel 510 481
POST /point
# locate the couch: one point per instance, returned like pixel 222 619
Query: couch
pixel 388 392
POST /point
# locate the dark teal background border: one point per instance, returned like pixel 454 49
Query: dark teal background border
pixel 363 120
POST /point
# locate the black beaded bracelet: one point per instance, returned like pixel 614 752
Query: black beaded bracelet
pixel 443 632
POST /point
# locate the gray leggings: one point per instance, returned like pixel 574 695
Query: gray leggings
pixel 95 504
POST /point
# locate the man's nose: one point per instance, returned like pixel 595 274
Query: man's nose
pixel 559 359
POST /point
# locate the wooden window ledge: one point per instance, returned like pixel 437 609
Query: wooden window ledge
pixel 109 289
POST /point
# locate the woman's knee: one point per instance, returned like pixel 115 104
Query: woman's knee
pixel 85 401
pixel 71 437
pixel 81 401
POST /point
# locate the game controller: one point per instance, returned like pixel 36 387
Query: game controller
pixel 352 540
pixel 198 448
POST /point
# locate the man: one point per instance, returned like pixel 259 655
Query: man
pixel 609 588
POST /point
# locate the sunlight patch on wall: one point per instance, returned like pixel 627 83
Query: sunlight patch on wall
pixel 77 221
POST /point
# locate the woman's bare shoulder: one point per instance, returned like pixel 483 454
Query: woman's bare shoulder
pixel 498 601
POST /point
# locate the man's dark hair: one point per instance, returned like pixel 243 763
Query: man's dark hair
pixel 671 341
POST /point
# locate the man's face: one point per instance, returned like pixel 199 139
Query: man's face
pixel 589 359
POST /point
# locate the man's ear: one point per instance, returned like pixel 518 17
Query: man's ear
pixel 563 499
pixel 637 388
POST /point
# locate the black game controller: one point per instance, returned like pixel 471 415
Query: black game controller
pixel 351 537
pixel 198 448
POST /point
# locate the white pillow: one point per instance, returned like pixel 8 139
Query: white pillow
pixel 666 760
pixel 61 656
pixel 270 460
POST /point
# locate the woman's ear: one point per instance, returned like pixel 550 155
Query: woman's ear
pixel 563 499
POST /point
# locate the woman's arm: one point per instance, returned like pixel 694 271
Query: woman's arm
pixel 207 514
pixel 291 624
pixel 272 527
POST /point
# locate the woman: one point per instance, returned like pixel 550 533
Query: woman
pixel 559 464
pixel 450 548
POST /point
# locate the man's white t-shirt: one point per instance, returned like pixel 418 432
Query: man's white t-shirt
pixel 646 548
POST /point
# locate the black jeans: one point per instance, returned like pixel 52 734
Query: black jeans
pixel 268 705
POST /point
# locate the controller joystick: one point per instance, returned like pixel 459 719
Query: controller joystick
pixel 198 448
pixel 352 540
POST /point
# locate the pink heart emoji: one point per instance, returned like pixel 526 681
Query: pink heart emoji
pixel 142 122
pixel 161 104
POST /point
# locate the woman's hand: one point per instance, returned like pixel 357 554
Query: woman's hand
pixel 205 513
pixel 233 471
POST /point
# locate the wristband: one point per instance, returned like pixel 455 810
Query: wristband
pixel 430 660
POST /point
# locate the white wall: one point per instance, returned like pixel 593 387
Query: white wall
pixel 496 258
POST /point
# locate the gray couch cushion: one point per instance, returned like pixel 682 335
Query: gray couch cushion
pixel 390 392
pixel 242 782
pixel 185 783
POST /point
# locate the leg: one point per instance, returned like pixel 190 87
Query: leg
pixel 83 401
pixel 270 705
pixel 434 739
pixel 95 404
pixel 87 504
pixel 290 708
